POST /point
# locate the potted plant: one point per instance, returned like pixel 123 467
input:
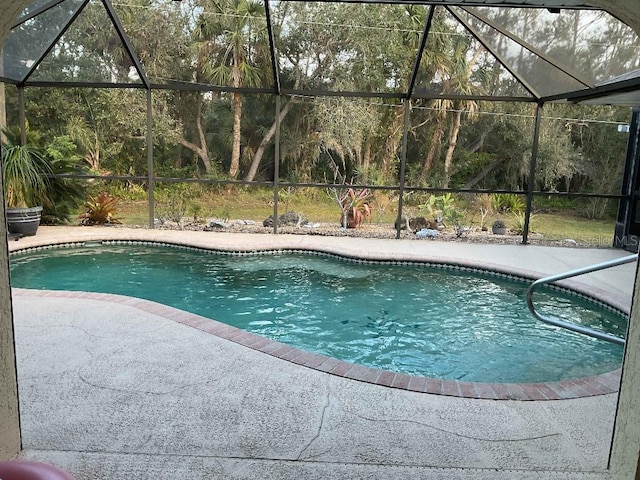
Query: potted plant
pixel 499 227
pixel 355 207
pixel 26 179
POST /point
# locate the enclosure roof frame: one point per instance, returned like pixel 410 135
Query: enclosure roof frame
pixel 599 93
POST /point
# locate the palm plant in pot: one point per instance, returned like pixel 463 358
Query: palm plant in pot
pixel 26 179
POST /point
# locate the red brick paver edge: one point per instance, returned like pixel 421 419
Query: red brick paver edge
pixel 584 387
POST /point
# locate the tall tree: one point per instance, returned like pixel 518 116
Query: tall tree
pixel 237 29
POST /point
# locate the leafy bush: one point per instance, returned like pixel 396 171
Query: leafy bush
pixel 65 194
pixel 173 202
pixel 458 221
pixel 100 210
pixel 550 203
pixel 507 202
pixel 519 221
pixel 439 207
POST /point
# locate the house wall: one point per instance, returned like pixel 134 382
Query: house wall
pixel 9 418
pixel 626 436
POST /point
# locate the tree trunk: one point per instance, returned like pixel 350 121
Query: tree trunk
pixel 485 171
pixel 433 147
pixel 237 117
pixel 200 150
pixel 366 159
pixel 204 150
pixel 177 161
pixel 3 111
pixel 235 152
pixel 479 142
pixel 453 141
pixel 393 141
pixel 202 154
pixel 3 101
pixel 257 157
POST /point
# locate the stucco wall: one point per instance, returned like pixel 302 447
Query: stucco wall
pixel 626 440
pixel 9 419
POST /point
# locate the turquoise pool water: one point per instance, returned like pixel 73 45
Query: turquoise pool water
pixel 415 319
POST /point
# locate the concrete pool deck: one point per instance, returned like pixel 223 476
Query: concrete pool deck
pixel 110 390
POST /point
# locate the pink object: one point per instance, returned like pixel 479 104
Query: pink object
pixel 25 470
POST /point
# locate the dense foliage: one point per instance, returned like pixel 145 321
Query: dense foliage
pixel 326 47
pixel 29 169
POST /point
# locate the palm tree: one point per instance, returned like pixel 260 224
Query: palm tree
pixel 463 61
pixel 236 31
pixel 455 71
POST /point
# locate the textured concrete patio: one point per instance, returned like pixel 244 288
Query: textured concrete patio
pixel 117 390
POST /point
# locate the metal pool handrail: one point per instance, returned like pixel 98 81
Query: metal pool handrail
pixel 574 273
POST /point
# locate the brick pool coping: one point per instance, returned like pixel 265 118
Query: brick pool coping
pixel 603 384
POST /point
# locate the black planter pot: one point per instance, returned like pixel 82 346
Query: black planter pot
pixel 499 230
pixel 23 221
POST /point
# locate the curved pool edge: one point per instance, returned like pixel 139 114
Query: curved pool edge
pixel 509 260
pixel 603 384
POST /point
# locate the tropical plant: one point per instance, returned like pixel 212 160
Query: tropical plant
pixel 439 207
pixel 507 202
pixel 355 207
pixel 100 210
pixel 25 174
pixel 458 221
pixel 519 222
pixel 29 175
pixel 26 179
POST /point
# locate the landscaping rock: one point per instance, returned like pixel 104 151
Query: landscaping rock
pixel 427 233
pixel 287 218
pixel 291 218
pixel 381 230
pixel 218 224
pixel 415 224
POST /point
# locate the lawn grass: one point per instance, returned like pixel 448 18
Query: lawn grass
pixel 317 205
pixel 559 226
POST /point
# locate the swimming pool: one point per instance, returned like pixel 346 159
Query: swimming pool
pixel 418 319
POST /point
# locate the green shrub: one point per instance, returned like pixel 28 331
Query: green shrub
pixel 507 202
pixel 439 207
pixel 519 221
